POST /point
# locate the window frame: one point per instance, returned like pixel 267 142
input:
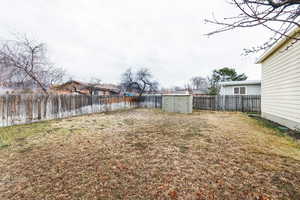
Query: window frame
pixel 245 90
pixel 238 90
pixel 239 87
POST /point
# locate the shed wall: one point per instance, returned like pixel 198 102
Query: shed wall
pixel 177 103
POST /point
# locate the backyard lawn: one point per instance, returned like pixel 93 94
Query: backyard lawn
pixel 148 154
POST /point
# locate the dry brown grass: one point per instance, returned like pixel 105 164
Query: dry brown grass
pixel 147 154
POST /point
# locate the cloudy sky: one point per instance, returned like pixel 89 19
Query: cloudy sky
pixel 102 38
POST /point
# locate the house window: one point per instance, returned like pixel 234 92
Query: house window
pixel 242 90
pixel 239 90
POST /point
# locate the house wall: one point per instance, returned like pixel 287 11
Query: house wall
pixel 250 89
pixel 103 93
pixel 281 86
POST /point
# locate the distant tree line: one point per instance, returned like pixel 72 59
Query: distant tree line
pixel 211 84
pixel 223 75
pixel 24 62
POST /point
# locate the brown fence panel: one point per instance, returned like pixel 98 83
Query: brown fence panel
pixel 242 103
pixel 150 101
pixel 21 109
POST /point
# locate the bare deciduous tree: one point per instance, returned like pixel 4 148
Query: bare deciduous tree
pixel 53 75
pixel 141 81
pixel 277 16
pixel 95 80
pixel 199 83
pixel 25 61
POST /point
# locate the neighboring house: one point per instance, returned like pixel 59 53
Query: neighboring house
pixel 281 82
pixel 71 87
pixel 17 87
pixel 240 88
pixel 106 90
pixel 77 87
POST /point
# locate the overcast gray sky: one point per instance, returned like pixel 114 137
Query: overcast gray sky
pixel 102 38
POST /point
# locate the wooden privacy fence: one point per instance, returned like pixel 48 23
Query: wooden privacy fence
pixel 150 101
pixel 242 103
pixel 22 109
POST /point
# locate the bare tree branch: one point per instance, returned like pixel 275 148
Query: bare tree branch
pixel 199 83
pixel 277 16
pixel 140 82
pixel 26 61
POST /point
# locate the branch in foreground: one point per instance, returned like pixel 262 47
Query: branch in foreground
pixel 279 17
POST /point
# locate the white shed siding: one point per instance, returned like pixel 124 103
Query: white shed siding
pixel 250 89
pixel 281 86
pixel 177 103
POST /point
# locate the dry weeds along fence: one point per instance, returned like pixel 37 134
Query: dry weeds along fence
pixel 22 109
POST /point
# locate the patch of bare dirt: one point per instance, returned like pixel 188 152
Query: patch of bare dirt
pixel 147 154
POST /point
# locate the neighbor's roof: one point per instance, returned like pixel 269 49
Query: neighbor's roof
pixel 83 85
pixel 107 87
pixel 70 82
pixel 250 82
pixel 277 46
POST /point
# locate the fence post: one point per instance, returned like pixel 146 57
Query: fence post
pixel 242 100
pixel 217 102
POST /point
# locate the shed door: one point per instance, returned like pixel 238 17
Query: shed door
pixel 168 103
pixel 181 104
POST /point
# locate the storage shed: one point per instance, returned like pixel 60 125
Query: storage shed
pixel 181 103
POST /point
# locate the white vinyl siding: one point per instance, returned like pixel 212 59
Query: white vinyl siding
pixel 250 89
pixel 281 86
